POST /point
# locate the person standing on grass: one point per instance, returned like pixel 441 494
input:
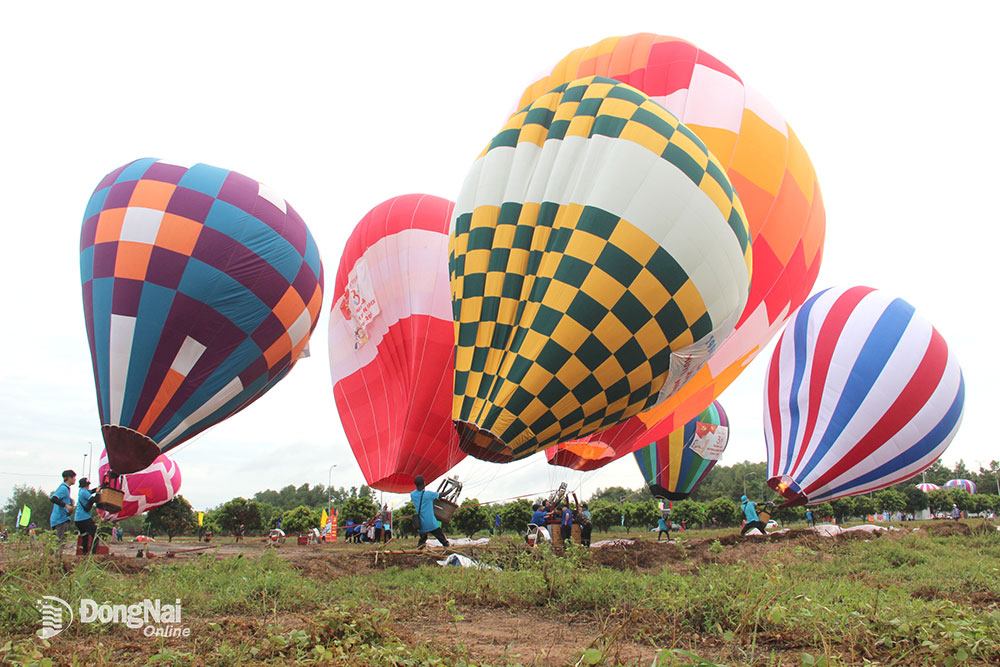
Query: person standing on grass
pixel 566 524
pixel 586 525
pixel 753 521
pixel 84 517
pixel 664 525
pixel 423 500
pixel 809 518
pixel 955 513
pixel 62 504
pixel 496 525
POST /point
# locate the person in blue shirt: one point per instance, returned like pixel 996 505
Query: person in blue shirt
pixel 423 502
pixel 809 518
pixel 495 530
pixel 753 521
pixel 84 517
pixel 538 520
pixel 664 525
pixel 566 523
pixel 62 504
pixel 379 533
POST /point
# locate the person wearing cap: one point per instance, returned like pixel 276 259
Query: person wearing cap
pixel 423 501
pixel 62 504
pixel 84 517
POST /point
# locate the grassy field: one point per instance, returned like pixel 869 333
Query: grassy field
pixel 929 597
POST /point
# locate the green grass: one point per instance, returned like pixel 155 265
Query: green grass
pixel 910 599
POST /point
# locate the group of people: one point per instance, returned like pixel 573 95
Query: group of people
pixel 376 529
pixel 81 514
pixel 548 513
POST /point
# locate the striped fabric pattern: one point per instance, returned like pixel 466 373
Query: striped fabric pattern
pixel 598 256
pixel 966 485
pixel 928 487
pixel 392 380
pixel 861 393
pixel 201 288
pixel 771 172
pixel 671 468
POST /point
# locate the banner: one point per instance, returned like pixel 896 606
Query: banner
pixel 24 516
pixel 710 440
pixel 201 518
pixel 331 535
pixel 323 520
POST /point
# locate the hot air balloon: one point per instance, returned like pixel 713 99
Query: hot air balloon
pixel 964 484
pixel 861 393
pixel 928 487
pixel 392 343
pixel 599 256
pixel 143 490
pixel 772 175
pixel 674 466
pixel 200 290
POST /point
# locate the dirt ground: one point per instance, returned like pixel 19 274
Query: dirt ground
pixel 497 634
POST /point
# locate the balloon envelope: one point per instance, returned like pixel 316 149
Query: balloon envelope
pixel 392 343
pixel 143 490
pixel 861 393
pixel 599 255
pixel 674 466
pixel 200 290
pixel 964 484
pixel 928 487
pixel 772 174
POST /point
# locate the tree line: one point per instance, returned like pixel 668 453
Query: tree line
pixel 715 502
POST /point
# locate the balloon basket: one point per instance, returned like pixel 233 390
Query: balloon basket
pixel 444 510
pixel 576 533
pixel 110 499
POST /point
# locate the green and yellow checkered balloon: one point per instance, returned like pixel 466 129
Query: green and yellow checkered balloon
pixel 599 255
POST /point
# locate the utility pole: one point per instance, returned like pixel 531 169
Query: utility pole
pixel 329 489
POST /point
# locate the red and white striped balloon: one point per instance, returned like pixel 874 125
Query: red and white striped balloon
pixel 392 343
pixel 928 487
pixel 146 489
pixel 861 393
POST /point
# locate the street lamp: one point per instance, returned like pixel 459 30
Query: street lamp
pixel 329 488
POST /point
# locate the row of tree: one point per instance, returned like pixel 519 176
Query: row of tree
pixel 714 502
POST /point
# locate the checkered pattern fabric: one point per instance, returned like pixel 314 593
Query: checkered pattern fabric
pixel 200 288
pixel 766 163
pixel 567 310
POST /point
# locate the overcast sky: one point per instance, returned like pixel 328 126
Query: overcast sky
pixel 339 106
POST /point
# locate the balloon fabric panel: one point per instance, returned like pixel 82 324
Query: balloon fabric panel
pixel 579 268
pixel 768 167
pixel 964 484
pixel 392 347
pixel 200 287
pixel 861 393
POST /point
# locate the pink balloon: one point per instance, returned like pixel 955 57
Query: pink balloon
pixel 146 489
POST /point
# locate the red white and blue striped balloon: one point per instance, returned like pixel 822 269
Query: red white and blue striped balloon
pixel 862 393
pixel 926 488
pixel 969 486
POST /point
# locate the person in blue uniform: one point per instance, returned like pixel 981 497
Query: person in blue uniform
pixel 84 517
pixel 753 521
pixel 423 501
pixel 62 505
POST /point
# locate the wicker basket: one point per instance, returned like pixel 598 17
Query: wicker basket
pixel 444 510
pixel 110 500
